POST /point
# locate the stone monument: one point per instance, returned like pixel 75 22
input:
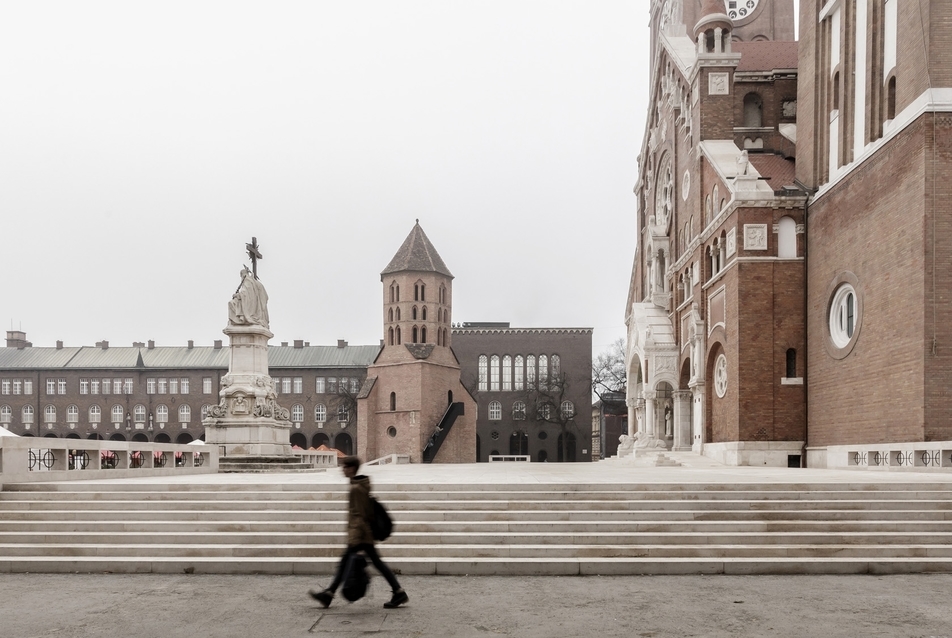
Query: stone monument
pixel 248 420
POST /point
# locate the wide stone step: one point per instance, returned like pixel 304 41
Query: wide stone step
pixel 134 513
pixel 477 551
pixel 484 566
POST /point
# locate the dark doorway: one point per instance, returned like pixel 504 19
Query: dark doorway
pixel 567 448
pixel 117 437
pixel 140 437
pixel 299 440
pixel 344 443
pixel 519 443
pixel 162 437
pixel 320 439
pixel 184 438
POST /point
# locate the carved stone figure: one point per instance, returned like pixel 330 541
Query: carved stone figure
pixel 742 162
pixel 626 445
pixel 249 304
pixel 644 441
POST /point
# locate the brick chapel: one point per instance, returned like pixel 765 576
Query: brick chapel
pixel 793 264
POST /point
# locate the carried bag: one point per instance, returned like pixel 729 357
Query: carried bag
pixel 356 579
pixel 381 525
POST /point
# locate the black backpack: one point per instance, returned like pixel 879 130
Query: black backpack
pixel 356 579
pixel 381 525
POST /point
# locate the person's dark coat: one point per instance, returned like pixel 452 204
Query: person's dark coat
pixel 359 512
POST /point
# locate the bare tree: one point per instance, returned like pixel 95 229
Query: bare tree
pixel 608 370
pixel 548 401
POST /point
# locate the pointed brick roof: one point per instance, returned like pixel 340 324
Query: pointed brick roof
pixel 417 254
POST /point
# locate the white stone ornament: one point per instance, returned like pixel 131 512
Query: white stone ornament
pixel 755 236
pixel 686 185
pixel 720 376
pixel 717 84
pixel 739 10
pixel 731 242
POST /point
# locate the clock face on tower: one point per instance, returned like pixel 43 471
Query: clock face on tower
pixel 740 9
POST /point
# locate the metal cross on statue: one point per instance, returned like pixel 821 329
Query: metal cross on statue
pixel 255 255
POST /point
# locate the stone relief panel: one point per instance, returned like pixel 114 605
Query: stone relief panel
pixel 666 365
pixel 717 84
pixel 731 242
pixel 755 236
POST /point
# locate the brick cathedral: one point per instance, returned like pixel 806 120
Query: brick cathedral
pixel 793 269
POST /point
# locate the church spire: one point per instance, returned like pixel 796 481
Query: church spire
pixel 417 254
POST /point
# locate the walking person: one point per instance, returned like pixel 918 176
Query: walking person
pixel 360 538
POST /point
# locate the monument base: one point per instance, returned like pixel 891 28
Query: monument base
pixel 263 437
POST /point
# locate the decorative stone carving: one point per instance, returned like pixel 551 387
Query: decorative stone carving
pixel 665 365
pixel 717 84
pixel 755 236
pixel 731 242
pixel 626 445
pixel 720 376
pixel 686 185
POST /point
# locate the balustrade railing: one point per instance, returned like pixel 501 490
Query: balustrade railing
pixel 28 459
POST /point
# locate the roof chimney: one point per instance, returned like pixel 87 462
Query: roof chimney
pixel 191 344
pixel 298 343
pixel 138 344
pixel 102 344
pixel 17 339
pixel 341 343
pixel 59 345
pixel 217 344
pixel 284 344
pixel 151 344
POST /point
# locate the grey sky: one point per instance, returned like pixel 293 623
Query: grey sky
pixel 142 144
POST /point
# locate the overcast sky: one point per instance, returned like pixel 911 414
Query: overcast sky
pixel 142 144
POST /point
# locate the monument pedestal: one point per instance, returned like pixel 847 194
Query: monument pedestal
pixel 248 420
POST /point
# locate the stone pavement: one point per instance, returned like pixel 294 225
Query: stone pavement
pixel 146 606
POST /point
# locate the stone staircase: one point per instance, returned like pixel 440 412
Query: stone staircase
pixel 557 529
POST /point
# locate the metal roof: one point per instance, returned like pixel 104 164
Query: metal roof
pixel 96 358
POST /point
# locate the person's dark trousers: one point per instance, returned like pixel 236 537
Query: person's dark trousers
pixel 374 557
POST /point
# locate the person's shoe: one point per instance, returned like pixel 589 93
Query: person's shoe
pixel 399 598
pixel 324 597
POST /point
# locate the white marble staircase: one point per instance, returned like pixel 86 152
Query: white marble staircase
pixel 482 529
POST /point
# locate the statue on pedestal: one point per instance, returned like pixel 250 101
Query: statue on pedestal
pixel 249 304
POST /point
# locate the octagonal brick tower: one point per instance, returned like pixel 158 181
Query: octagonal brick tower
pixel 413 402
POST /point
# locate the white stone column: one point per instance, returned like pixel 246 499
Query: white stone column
pixel 682 420
pixel 632 404
pixel 650 425
pixel 718 40
pixel 697 443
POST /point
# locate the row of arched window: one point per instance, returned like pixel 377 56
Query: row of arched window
pixel 418 334
pixel 567 410
pixel 320 413
pixel 419 292
pixel 442 316
pixel 514 374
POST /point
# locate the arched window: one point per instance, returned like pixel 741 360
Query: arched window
pixel 398 336
pixel 393 401
pixel 297 413
pixel 424 313
pixel 543 371
pixel 836 90
pixel 556 366
pixel 415 335
pixel 518 374
pixel 413 313
pixel 791 363
pixel 495 411
pixel 6 414
pixel 753 110
pixel 787 238
pixel 390 336
pixel 320 413
pixel 72 414
pixel 531 370
pixel 567 409
pixel 494 373
pixel 398 314
pixel 95 414
pixel 393 294
pixel 519 411
pixel 49 414
pixel 184 413
pixel 422 292
pixel 162 414
pixel 507 373
pixel 390 315
pixel 343 414
pixel 27 414
pixel 117 413
pixel 483 373
pixel 423 334
pixel 138 413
